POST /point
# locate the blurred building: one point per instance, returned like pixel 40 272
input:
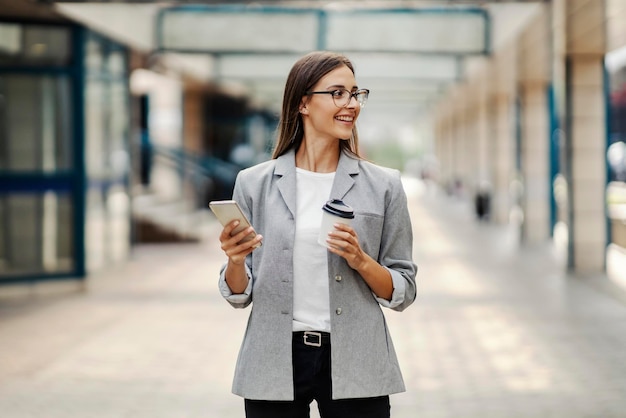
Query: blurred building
pixel 119 120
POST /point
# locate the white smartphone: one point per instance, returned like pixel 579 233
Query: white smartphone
pixel 227 211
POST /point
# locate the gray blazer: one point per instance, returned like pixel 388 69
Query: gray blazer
pixel 364 362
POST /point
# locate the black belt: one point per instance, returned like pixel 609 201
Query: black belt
pixel 312 338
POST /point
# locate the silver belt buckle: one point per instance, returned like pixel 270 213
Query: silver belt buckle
pixel 307 334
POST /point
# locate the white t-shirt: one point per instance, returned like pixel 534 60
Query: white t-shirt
pixel 311 300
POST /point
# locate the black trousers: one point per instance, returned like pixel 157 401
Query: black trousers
pixel 312 381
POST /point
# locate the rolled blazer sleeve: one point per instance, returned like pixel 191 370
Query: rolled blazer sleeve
pixel 239 300
pixel 399 290
pixel 396 249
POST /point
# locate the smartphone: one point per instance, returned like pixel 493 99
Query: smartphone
pixel 227 211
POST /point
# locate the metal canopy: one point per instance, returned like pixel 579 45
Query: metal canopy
pixel 230 29
pixel 369 65
pixel 407 52
pixel 406 56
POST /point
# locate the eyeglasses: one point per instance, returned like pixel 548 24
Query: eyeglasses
pixel 342 97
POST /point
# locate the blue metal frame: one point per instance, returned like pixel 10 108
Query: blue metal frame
pixel 72 182
pixel 568 162
pixel 66 181
pixel 322 22
pixel 11 183
pixel 80 179
pixel 554 152
pixel 608 106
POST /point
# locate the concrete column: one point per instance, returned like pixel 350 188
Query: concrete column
pixel 461 145
pixel 535 163
pixel 445 156
pixel 444 149
pixel 442 174
pixel 454 133
pixel 436 150
pixel 579 37
pixel 534 76
pixel 483 149
pixel 483 188
pixel 587 164
pixel 503 153
pixel 502 79
pixel 438 134
pixel 479 155
pixel 447 162
pixel 471 149
pixel 491 140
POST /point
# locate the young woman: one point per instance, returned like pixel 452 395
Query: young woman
pixel 316 329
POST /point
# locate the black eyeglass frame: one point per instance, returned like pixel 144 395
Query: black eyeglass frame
pixel 351 93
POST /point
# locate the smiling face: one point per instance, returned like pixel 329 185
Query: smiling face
pixel 321 117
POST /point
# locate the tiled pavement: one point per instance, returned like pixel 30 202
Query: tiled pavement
pixel 496 332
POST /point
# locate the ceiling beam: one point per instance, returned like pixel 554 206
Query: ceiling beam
pixel 265 29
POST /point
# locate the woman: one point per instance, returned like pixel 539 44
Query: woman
pixel 316 329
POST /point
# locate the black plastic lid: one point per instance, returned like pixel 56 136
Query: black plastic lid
pixel 338 208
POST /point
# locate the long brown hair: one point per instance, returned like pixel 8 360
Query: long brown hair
pixel 304 74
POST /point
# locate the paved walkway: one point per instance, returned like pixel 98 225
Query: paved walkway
pixel 496 332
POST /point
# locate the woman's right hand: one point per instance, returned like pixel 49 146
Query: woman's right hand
pixel 233 247
pixel 236 251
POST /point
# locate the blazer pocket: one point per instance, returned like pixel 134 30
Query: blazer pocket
pixel 369 228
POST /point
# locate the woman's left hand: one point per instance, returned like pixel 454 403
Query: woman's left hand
pixel 344 242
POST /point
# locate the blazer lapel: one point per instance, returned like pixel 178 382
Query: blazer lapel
pixel 286 170
pixel 346 169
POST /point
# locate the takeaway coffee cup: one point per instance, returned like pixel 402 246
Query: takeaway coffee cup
pixel 333 211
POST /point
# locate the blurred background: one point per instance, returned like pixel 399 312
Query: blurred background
pixel 120 120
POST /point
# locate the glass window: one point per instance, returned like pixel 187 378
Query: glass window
pixel 119 128
pixel 44 131
pixel 94 54
pixel 10 35
pixel 117 63
pixel 118 207
pixel 95 229
pixel 34 45
pixel 96 128
pixel 37 234
pixel 107 234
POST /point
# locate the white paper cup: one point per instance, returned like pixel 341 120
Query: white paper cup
pixel 334 211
